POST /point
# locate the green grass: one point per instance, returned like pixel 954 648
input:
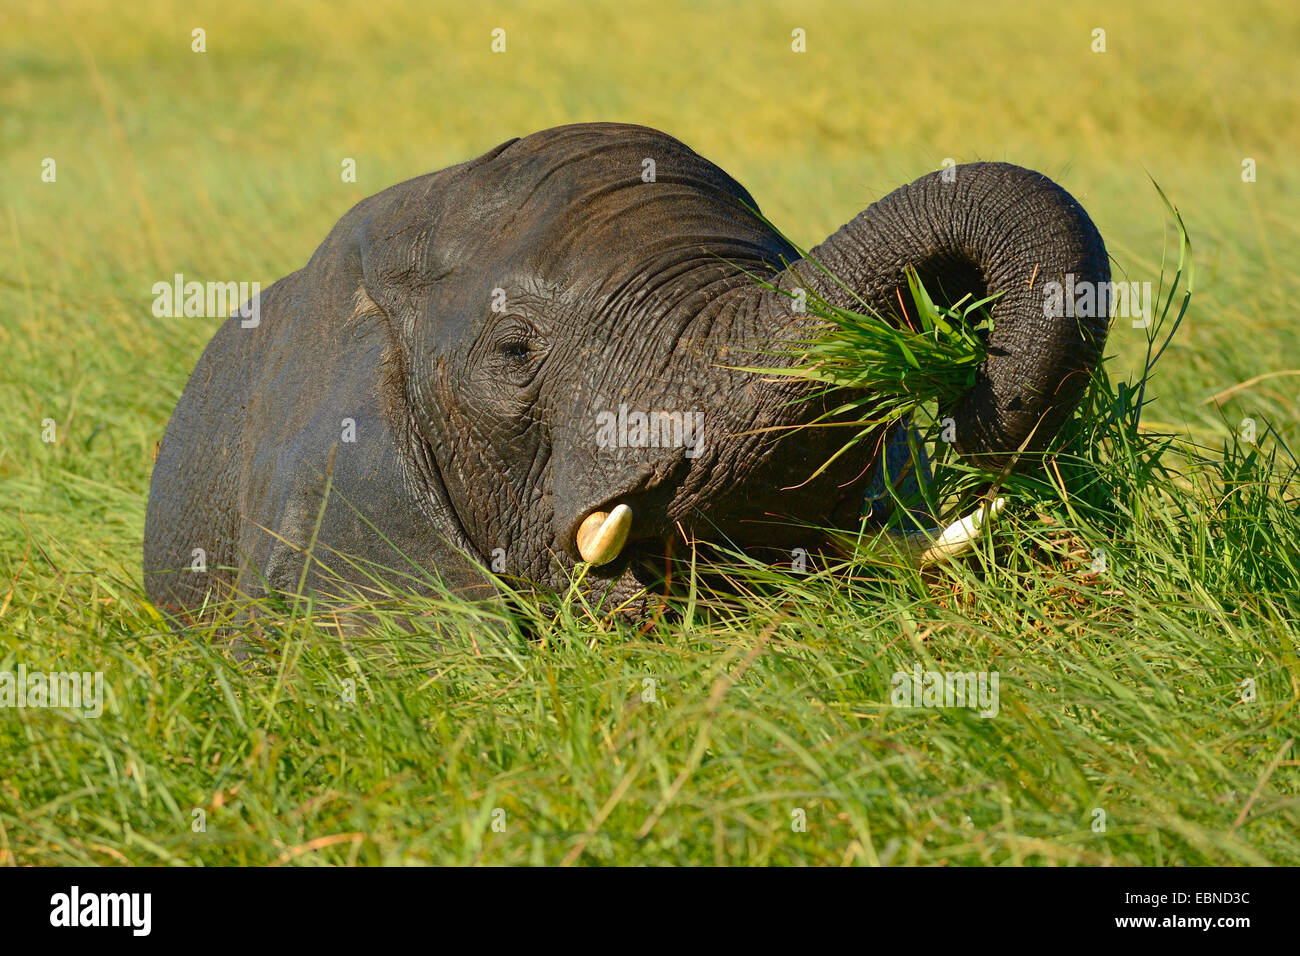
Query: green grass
pixel 876 372
pixel 1121 689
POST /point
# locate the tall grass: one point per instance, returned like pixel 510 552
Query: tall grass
pixel 1139 598
pixel 753 725
pixel 874 371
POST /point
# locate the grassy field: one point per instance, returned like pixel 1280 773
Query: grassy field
pixel 751 732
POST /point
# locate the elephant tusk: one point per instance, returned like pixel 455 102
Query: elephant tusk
pixel 924 548
pixel 601 535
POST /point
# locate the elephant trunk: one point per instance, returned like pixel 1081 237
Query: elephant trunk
pixel 985 229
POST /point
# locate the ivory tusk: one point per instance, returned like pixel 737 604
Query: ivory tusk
pixel 601 535
pixel 924 548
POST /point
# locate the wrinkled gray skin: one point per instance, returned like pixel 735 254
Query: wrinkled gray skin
pixel 476 429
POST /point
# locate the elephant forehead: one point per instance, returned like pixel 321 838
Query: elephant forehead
pixel 607 194
pixel 573 162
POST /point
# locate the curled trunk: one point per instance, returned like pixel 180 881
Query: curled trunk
pixel 984 229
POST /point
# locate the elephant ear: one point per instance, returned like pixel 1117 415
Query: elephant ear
pixel 292 458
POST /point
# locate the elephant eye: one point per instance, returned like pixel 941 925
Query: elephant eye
pixel 517 360
pixel 516 350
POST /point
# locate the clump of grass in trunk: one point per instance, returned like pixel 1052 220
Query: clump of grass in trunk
pixel 889 369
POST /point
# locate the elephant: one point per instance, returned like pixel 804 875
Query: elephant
pixel 454 390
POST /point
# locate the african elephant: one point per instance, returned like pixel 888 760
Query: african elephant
pixel 458 364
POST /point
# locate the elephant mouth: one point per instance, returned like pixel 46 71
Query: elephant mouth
pixel 649 573
pixel 655 576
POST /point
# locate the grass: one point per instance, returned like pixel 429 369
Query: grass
pixel 1132 586
pixel 879 373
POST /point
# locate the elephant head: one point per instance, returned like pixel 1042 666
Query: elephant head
pixel 538 352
